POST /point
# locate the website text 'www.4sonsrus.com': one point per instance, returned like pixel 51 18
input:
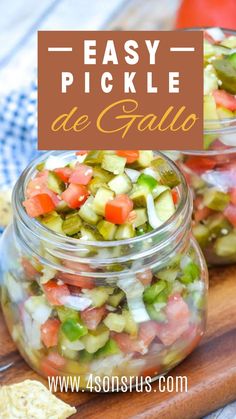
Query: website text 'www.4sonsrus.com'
pixel 107 384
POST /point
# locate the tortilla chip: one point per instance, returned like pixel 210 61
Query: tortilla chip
pixel 32 400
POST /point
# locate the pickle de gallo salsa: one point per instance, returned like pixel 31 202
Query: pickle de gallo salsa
pixel 145 315
pixel 212 174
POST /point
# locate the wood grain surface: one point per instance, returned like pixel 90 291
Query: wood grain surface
pixel 211 369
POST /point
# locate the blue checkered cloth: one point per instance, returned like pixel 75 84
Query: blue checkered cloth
pixel 18 134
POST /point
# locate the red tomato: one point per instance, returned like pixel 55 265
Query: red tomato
pixel 77 280
pixel 81 175
pixel 39 205
pixel 233 196
pixel 130 155
pixel 145 277
pixel 175 196
pixel 92 317
pixel 75 195
pixel 39 185
pixel 53 364
pixel 225 99
pixel 147 333
pixel 230 214
pixel 49 332
pixel 126 343
pixel 118 209
pixel 178 317
pixel 63 173
pixel 199 164
pixel 201 212
pixel 29 269
pixel 218 145
pixel 55 292
pixel 206 13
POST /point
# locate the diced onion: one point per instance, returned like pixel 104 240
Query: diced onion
pixel 228 139
pixel 53 162
pixel 38 308
pixel 153 219
pixel 134 294
pixel 77 303
pixel 216 33
pixel 32 331
pixel 196 286
pixel 14 289
pixel 75 346
pixel 185 261
pixel 132 174
pixel 151 172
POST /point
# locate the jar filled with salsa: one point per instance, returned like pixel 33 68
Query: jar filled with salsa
pixel 101 274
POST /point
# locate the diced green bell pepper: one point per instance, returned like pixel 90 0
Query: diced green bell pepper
pixel 150 293
pixel 73 330
pixel 147 181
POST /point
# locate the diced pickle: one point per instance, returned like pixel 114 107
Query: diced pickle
pixel 55 184
pixel 167 174
pixel 102 196
pixel 72 224
pixel 107 229
pixel 215 199
pixel 164 205
pixel 226 246
pixel 201 233
pixel 120 184
pixel 53 222
pixel 125 231
pixel 87 212
pixel 226 72
pixel 141 217
pixel 113 164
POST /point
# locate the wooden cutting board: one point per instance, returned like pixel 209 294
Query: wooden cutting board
pixel 211 369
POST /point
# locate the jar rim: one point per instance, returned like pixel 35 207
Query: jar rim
pixel 39 229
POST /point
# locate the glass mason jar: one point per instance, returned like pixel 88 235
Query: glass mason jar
pixel 211 174
pixel 129 308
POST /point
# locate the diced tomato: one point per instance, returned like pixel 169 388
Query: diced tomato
pixel 178 317
pixel 81 175
pixel 126 343
pixel 75 195
pixel 49 332
pixel 29 269
pixel 218 145
pixel 55 292
pixel 53 365
pixel 130 155
pixel 230 214
pixel 191 337
pixel 145 277
pixel 233 196
pixel 175 196
pixel 64 173
pixel 39 205
pixel 225 99
pixel 199 164
pixel 202 214
pixel 77 280
pixel 147 333
pixel 37 185
pixel 81 152
pixel 118 209
pixel 92 317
